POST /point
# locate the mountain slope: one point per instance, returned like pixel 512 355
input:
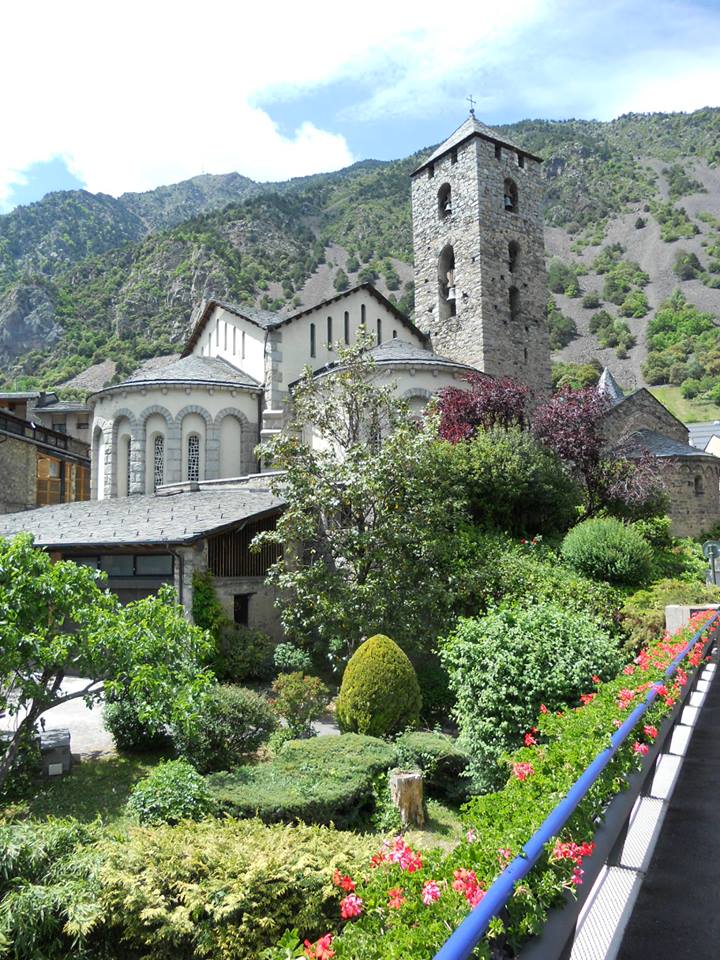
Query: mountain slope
pixel 84 278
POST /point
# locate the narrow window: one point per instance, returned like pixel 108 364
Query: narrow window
pixel 394 334
pixel 498 152
pixel 217 334
pixel 241 609
pixel 431 172
pixel 225 337
pixel 362 315
pixel 242 341
pixel 234 341
pixel 453 155
pixel 379 330
pixel 346 321
pixel 525 353
pixel 514 299
pixel 521 160
pixel 444 201
pixel 158 461
pixel 699 487
pixel 312 339
pixel 209 343
pixel 510 196
pixel 329 333
pixel 193 457
pixel 127 466
pixel 513 251
pixel 446 284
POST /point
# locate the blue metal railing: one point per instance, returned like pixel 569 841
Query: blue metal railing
pixel 461 943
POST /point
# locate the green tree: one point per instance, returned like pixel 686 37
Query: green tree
pixel 56 619
pixel 371 509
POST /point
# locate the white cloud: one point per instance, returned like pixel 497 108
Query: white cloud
pixel 137 94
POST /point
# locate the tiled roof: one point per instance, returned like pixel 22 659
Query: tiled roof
pixel 470 128
pixel 609 387
pixel 192 369
pixel 658 445
pixel 141 520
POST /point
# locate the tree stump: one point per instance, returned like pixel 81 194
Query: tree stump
pixel 406 792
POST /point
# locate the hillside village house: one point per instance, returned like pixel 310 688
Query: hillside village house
pixel 175 484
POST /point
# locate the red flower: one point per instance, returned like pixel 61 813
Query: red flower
pixel 523 770
pixel 543 708
pixel 320 950
pixel 596 679
pixel 343 881
pixel 430 892
pixel 650 731
pixel 641 748
pixel 351 906
pixel 586 698
pixel 395 898
pixel 529 740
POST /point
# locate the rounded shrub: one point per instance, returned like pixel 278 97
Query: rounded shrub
pixel 379 694
pixel 131 734
pixel 244 654
pixel 233 724
pixel 504 665
pixel 607 549
pixel 172 792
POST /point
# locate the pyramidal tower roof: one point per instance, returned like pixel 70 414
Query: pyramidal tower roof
pixel 609 387
pixel 472 128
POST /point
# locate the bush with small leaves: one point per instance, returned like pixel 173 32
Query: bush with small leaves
pixel 608 549
pixel 379 694
pixel 172 792
pixel 289 659
pixel 299 700
pixel 130 733
pixel 233 724
pixel 244 654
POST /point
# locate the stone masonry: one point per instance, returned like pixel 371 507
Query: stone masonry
pixel 500 325
pixel 639 411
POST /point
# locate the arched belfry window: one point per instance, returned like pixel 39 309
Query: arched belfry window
pixel 444 201
pixel 446 284
pixel 158 461
pixel 513 253
pixel 193 457
pixel 510 195
pixel 514 299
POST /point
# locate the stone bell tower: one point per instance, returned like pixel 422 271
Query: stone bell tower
pixel 480 285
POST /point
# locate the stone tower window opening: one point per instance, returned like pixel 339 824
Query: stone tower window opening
pixel 453 155
pixel 431 171
pixel 346 326
pixel 444 201
pixel 362 316
pixel 217 333
pixel 513 253
pixel 128 454
pixel 446 284
pixel 394 335
pixel 193 457
pixel 498 152
pixel 379 331
pixel 521 160
pixel 514 301
pixel 158 461
pixel 510 195
pixel 225 329
pixel 699 486
pixel 329 333
pixel 312 340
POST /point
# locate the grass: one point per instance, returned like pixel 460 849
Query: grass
pixel 689 411
pixel 95 788
pixel 443 829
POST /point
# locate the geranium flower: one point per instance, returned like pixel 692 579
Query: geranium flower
pixel 523 770
pixel 650 731
pixel 351 906
pixel 586 698
pixel 543 708
pixel 596 679
pixel 344 882
pixel 641 748
pixel 471 836
pixel 395 898
pixel 320 950
pixel 529 740
pixel 504 853
pixel 430 892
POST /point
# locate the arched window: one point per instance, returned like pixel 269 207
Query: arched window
pixel 394 334
pixel 510 196
pixel 513 253
pixel 346 320
pixel 158 461
pixel 446 284
pixel 128 455
pixel 514 300
pixel 312 339
pixel 329 333
pixel 193 457
pixel 379 330
pixel 444 201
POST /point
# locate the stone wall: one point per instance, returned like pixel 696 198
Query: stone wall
pixel 18 470
pixel 262 613
pixel 693 486
pixel 484 332
pixel 641 411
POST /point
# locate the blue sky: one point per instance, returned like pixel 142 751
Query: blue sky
pixel 130 96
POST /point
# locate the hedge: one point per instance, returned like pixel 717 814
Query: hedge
pixel 441 760
pixel 321 780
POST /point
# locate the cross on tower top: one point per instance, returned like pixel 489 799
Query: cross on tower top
pixel 471 101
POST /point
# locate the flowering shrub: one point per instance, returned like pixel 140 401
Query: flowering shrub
pixel 411 900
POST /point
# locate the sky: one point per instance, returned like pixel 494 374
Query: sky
pixel 117 97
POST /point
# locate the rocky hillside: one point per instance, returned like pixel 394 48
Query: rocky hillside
pixel 632 210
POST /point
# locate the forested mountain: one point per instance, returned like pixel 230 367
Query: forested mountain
pixel 632 212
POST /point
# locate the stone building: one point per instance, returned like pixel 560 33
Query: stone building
pixel 39 466
pixel 480 287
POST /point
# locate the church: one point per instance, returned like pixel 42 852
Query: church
pixel 174 479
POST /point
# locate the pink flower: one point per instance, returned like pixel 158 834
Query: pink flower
pixel 523 770
pixel 402 854
pixel 629 670
pixel 529 740
pixel 351 906
pixel 504 853
pixel 344 882
pixel 586 698
pixel 430 892
pixel 596 679
pixel 320 950
pixel 650 731
pixel 641 748
pixel 395 898
pixel 543 708
pixel 471 836
pixel 577 875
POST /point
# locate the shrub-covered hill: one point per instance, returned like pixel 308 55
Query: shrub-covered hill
pixel 632 211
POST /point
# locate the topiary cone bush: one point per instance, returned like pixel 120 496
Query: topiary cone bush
pixel 379 694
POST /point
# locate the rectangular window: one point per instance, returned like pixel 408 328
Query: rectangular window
pixel 117 565
pixel 431 172
pixel 521 160
pixel 50 481
pixel 210 343
pixel 85 561
pixel 498 152
pixel 243 344
pixel 225 337
pixel 241 609
pixel 217 334
pixel 312 339
pixel 153 565
pixel 347 327
pixel 379 330
pixel 83 425
pixel 60 426
pixel 329 333
pixel 234 341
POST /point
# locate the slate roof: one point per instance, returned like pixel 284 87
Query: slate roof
pixel 609 387
pixel 399 351
pixel 63 407
pixel 192 369
pixel 658 445
pixel 471 128
pixel 140 521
